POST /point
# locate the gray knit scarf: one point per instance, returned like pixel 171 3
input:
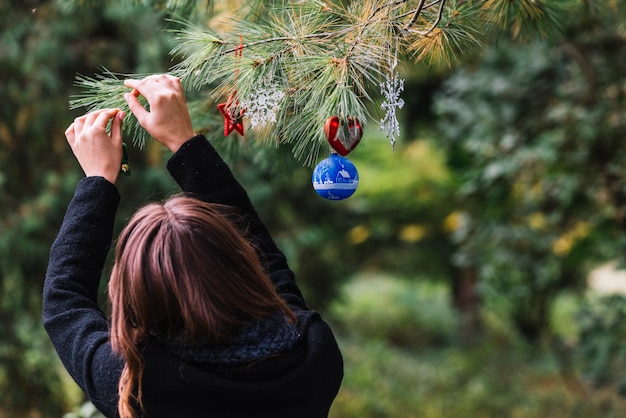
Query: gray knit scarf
pixel 256 341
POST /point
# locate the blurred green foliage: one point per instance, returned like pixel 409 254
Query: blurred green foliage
pixel 602 344
pixel 500 376
pixel 413 314
pixel 523 180
pixel 535 134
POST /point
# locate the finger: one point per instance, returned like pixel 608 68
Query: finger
pixel 151 86
pixel 90 117
pixel 69 134
pixel 78 125
pixel 159 78
pixel 136 108
pixel 177 85
pixel 132 83
pixel 104 116
pixel 171 81
pixel 116 128
pixel 172 78
pixel 141 84
pixel 140 88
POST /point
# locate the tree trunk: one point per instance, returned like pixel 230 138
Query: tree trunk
pixel 467 302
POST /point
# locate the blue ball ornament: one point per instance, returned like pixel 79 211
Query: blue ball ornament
pixel 335 178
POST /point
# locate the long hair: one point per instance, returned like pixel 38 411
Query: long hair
pixel 184 272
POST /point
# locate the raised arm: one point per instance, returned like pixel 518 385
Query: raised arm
pixel 202 173
pixel 77 327
pixel 196 166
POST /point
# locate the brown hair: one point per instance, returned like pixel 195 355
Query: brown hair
pixel 184 272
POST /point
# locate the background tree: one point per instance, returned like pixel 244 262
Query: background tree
pixel 536 134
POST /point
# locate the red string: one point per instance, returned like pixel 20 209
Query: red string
pixel 238 55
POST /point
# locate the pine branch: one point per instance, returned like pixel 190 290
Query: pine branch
pixel 107 91
pixel 436 21
pixel 457 36
pixel 319 81
pixel 415 14
pixel 526 19
pixel 329 58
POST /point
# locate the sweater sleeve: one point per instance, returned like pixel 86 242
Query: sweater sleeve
pixel 201 172
pixel 78 328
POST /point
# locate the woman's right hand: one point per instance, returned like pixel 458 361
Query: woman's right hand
pixel 168 119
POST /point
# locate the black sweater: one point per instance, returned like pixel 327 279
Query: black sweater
pixel 300 383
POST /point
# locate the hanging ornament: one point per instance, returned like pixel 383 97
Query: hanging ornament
pixel 262 104
pixel 335 178
pixel 342 135
pixel 391 89
pixel 233 116
pixel 125 167
pixel 232 112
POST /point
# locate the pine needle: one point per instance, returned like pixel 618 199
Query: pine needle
pixel 107 91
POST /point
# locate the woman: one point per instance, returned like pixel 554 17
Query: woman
pixel 206 317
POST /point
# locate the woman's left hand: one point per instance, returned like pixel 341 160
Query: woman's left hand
pixel 97 152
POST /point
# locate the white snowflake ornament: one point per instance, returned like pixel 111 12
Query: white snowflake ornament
pixel 391 89
pixel 263 104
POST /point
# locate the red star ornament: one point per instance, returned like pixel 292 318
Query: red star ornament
pixel 233 120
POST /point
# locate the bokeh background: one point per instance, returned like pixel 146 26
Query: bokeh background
pixel 476 272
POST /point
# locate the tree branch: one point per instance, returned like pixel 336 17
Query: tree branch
pixel 416 15
pixel 277 39
pixel 436 22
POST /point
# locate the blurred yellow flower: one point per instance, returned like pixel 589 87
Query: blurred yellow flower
pixel 453 221
pixel 412 233
pixel 537 220
pixel 359 234
pixel 564 244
